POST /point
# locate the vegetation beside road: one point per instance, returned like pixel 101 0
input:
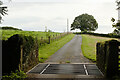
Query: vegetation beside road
pixel 46 51
pixel 89 45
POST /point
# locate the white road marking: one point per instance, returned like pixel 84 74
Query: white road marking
pixel 85 69
pixel 32 68
pixel 45 68
pixel 101 72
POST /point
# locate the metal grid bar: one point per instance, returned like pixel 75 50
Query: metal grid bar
pixel 45 69
pixel 85 69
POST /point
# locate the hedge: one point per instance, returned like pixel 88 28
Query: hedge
pixel 108 57
pixel 111 35
pixel 19 52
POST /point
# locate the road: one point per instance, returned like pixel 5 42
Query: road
pixel 69 53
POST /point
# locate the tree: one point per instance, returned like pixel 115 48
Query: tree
pixel 116 25
pixel 49 30
pixel 84 22
pixel 3 10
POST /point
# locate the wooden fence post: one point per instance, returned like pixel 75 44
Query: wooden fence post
pixel 53 37
pixel 41 38
pixel 48 39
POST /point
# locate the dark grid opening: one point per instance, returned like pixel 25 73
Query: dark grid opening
pixel 79 69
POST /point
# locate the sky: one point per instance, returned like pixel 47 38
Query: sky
pixel 35 15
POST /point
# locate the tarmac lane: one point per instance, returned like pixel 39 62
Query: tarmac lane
pixel 69 53
pixel 68 63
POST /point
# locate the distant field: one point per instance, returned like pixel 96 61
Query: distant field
pixel 8 33
pixel 89 45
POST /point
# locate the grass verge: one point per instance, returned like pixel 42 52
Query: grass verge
pixel 47 50
pixel 89 45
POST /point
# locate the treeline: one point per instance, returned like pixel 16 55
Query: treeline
pixel 9 28
pixel 111 35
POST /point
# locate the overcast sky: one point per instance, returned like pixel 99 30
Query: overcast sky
pixel 34 15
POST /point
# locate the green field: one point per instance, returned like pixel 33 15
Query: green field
pixel 89 45
pixel 8 33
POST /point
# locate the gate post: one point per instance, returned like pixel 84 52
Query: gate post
pixel 101 56
pixel 112 58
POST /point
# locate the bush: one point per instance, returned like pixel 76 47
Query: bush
pixel 17 75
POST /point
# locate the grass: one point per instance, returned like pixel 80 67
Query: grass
pixel 8 33
pixel 46 51
pixel 67 61
pixel 89 45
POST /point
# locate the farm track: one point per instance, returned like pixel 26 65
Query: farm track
pixel 69 53
pixel 55 68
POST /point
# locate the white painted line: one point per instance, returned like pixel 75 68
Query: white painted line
pixel 85 69
pixel 45 68
pixel 101 73
pixel 32 68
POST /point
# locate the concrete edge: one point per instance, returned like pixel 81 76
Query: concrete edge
pixel 66 63
pixel 61 76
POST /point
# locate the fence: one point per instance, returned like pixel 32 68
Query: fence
pixel 51 38
pixel 108 57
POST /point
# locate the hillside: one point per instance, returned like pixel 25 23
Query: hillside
pixel 8 33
